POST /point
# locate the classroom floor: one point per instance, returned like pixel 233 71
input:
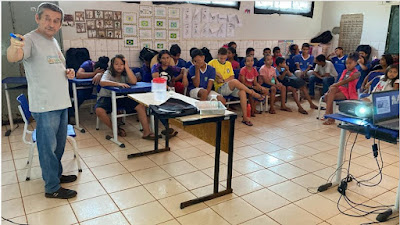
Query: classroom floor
pixel 275 161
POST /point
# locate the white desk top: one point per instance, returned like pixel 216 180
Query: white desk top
pixel 148 99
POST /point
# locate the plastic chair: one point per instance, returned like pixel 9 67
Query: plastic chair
pixel 26 115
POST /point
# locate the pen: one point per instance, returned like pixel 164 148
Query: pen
pixel 13 36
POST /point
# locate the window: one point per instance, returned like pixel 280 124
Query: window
pixel 225 4
pixel 284 7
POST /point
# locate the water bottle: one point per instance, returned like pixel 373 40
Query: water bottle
pixel 248 110
pixel 159 88
pixel 273 80
pixel 214 101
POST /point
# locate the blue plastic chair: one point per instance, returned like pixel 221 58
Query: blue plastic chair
pixel 26 115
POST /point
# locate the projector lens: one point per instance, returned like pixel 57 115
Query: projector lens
pixel 363 111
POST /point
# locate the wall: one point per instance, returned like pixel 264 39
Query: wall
pixel 376 21
pixel 258 31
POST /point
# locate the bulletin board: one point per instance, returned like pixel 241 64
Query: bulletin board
pixel 350 31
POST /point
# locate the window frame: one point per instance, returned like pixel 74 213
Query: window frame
pixel 267 11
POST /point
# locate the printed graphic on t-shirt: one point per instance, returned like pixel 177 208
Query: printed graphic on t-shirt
pixel 54 59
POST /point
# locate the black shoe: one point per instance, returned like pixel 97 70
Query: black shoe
pixel 67 179
pixel 61 193
pixel 71 120
pixel 170 131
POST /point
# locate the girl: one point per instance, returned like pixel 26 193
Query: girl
pixel 232 58
pixel 345 88
pixel 384 62
pixel 120 75
pixel 248 76
pixel 388 82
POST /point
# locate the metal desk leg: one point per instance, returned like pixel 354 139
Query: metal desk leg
pixel 230 154
pixel 215 193
pixel 382 217
pixel 8 132
pixel 75 94
pixel 114 121
pixel 324 187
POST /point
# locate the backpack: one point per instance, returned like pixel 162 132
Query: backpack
pixel 74 57
pixel 145 51
pixel 207 54
pixel 323 38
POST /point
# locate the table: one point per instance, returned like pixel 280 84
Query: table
pixel 122 92
pixel 79 84
pixel 366 128
pixel 22 84
pixel 148 99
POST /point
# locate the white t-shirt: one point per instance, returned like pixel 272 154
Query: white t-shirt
pixel 45 72
pixel 384 85
pixel 328 68
pixel 107 77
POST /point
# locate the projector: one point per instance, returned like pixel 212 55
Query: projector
pixel 356 108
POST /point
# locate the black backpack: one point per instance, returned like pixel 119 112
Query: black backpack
pixel 74 57
pixel 207 54
pixel 323 38
pixel 145 51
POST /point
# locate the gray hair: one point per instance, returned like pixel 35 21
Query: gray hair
pixel 52 7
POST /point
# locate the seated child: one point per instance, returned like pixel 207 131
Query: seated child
pixel 345 88
pixel 249 51
pixel 276 51
pixel 324 73
pixel 338 59
pixel 387 82
pixel 175 76
pixel 145 70
pixel 88 69
pixel 120 75
pixel 363 66
pixel 175 51
pixel 225 83
pixel 293 51
pixel 269 80
pixel 304 62
pixel 232 44
pixel 231 58
pixel 293 83
pixel 248 76
pixel 384 63
pixel 189 63
pixel 266 51
pixel 202 78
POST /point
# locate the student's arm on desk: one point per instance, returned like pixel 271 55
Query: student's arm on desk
pixel 82 74
pixel 15 51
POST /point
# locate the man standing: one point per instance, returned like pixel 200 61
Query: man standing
pixel 48 94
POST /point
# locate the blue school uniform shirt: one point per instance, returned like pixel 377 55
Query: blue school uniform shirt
pixel 181 63
pixel 87 66
pixel 188 64
pixel 304 63
pixel 260 63
pixel 242 63
pixel 363 74
pixel 146 73
pixel 290 62
pixel 337 60
pixel 205 76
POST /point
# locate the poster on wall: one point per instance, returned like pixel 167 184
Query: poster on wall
pixel 160 12
pixel 89 14
pixel 91 24
pixel 108 24
pixel 173 24
pixel 80 27
pixel 187 30
pixel 92 33
pixel 146 44
pixel 117 15
pixel 99 24
pixel 129 17
pixel 108 15
pixel 129 30
pixel 174 13
pixel 160 45
pixel 284 46
pixel 101 33
pixel 118 34
pixel 173 35
pixel 160 34
pixel 146 11
pixel 117 25
pixel 160 23
pixel 205 15
pixel 145 34
pixel 187 15
pixel 145 23
pixel 98 14
pixel 110 33
pixel 79 16
pixel 350 31
pixel 68 20
pixel 131 42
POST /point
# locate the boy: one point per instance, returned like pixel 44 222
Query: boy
pixel 202 78
pixel 266 51
pixel 293 51
pixel 225 83
pixel 277 53
pixel 293 83
pixel 324 72
pixel 175 51
pixel 338 59
pixel 268 79
pixel 249 51
pixel 304 62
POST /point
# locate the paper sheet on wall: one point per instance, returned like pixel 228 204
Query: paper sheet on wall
pixel 234 19
pixel 350 31
pixel 230 30
pixel 187 30
pixel 196 30
pixel 222 18
pixel 222 31
pixel 214 27
pixel 205 30
pixel 205 15
pixel 214 17
pixel 197 16
pixel 187 15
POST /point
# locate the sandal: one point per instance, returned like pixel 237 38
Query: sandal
pixel 272 111
pixel 258 112
pixel 286 109
pixel 313 106
pixel 121 132
pixel 302 111
pixel 253 115
pixel 248 123
pixel 150 136
pixel 329 122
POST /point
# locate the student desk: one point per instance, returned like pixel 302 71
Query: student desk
pixel 366 128
pixel 79 84
pixel 22 84
pixel 202 127
pixel 118 92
